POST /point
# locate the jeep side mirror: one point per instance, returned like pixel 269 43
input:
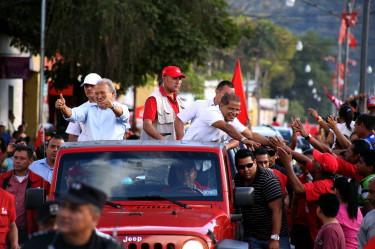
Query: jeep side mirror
pixel 243 196
pixel 34 198
pixel 232 244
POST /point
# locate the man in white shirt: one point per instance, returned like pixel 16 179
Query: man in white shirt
pixel 44 167
pixel 216 123
pixel 74 129
pixel 105 120
pixel 200 106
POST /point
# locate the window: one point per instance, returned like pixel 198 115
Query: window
pixel 137 174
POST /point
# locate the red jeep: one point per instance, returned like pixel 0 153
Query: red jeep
pixel 162 194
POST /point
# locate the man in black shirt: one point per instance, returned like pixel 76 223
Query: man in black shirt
pixel 77 218
pixel 262 221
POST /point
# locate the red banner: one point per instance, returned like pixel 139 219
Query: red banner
pixel 238 88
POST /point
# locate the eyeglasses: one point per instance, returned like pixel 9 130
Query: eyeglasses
pixel 243 166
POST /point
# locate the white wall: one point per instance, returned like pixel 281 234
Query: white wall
pixel 17 100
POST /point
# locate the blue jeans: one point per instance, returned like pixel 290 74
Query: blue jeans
pixel 263 244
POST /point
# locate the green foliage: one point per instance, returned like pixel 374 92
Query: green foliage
pixel 124 40
pixel 315 50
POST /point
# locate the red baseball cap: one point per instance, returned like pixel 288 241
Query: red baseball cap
pixel 172 71
pixel 326 160
pixel 371 102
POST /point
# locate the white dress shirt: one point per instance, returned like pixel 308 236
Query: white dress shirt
pixel 198 108
pixel 42 168
pixel 100 124
pixel 202 130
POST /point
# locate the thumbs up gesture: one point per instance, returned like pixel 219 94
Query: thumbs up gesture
pixel 60 103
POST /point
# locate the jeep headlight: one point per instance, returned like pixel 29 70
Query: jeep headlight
pixel 193 244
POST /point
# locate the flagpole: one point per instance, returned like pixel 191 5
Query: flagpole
pixel 364 48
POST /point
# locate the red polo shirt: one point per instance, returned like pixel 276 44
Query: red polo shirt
pixel 316 188
pixel 151 112
pixel 283 179
pixel 7 215
pixel 347 169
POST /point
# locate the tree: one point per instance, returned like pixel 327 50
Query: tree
pixel 124 40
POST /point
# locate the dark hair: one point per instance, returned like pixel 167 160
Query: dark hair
pixel 369 158
pixel 228 97
pixel 261 151
pixel 360 146
pixel 243 153
pixel 329 204
pixel 367 120
pixel 3 146
pixel 346 114
pixel 224 83
pixel 57 137
pixel 28 149
pixel 348 192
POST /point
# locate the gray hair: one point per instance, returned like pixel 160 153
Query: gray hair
pixel 109 83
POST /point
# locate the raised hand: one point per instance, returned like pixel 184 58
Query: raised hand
pixel 313 112
pixel 60 103
pixel 331 122
pixel 252 145
pixel 107 103
pixel 284 156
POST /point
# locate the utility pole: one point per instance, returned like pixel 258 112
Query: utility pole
pixel 364 49
pixel 42 80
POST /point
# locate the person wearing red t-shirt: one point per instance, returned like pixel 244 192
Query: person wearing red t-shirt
pixel 322 169
pixel 162 107
pixel 8 227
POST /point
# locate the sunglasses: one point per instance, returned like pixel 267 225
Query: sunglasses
pixel 243 166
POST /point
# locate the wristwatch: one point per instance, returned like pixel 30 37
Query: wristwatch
pixel 307 137
pixel 275 237
pixel 243 139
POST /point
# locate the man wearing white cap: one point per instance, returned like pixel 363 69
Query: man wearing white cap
pixel 75 129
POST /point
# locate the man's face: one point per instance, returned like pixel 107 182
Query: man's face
pixel 350 156
pixel 220 93
pixel 74 219
pixel 230 111
pixel 360 130
pixel 89 91
pixel 52 148
pixel 263 160
pixel 172 85
pixel 188 176
pixel 371 193
pixel 102 93
pixel 21 161
pixel 246 168
pixel 363 169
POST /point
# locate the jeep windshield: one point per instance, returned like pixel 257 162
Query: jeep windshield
pixel 142 175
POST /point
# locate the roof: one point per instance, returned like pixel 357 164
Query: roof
pixel 161 143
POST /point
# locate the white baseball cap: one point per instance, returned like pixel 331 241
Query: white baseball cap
pixel 91 79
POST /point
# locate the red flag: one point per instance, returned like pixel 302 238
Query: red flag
pixel 238 88
pixel 352 40
pixel 342 32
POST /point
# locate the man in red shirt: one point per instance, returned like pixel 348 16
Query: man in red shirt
pixel 162 107
pixel 8 228
pixel 16 182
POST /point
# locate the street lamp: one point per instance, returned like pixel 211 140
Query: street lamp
pixel 310 82
pixel 307 68
pixel 299 46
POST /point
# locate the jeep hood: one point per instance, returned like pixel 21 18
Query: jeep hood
pixel 163 219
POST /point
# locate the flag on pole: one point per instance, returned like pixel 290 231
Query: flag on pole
pixel 342 32
pixel 238 88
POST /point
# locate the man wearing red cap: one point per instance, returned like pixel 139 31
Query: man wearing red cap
pixel 162 107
